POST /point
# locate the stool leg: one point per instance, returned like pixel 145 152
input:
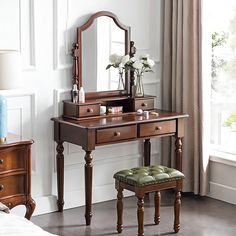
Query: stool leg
pixel 119 207
pixel 140 214
pixel 177 211
pixel 157 207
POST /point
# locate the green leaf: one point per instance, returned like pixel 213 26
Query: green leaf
pixel 108 67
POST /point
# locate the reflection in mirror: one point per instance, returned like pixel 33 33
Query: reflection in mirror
pixel 99 41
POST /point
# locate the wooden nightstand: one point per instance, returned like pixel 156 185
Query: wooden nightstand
pixel 15 173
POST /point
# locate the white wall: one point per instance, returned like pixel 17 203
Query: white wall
pixel 43 32
pixel 222 177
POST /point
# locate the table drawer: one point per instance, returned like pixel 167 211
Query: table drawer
pixel 144 104
pixel 115 134
pixel 13 160
pixel 157 128
pixel 12 185
pixel 89 110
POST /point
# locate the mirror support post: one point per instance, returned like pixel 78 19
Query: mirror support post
pixel 132 78
pixel 75 55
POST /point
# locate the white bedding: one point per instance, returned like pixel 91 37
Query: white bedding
pixel 13 225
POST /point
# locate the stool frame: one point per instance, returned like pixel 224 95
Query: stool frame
pixel 140 192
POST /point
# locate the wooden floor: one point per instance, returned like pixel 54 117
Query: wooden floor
pixel 200 216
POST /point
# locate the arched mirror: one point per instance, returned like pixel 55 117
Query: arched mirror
pixel 102 35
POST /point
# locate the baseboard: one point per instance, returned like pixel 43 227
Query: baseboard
pixel 47 204
pixel 222 192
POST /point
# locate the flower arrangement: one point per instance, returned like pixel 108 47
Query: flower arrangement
pixel 119 62
pixel 138 66
pixel 141 65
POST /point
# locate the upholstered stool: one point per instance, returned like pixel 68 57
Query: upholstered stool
pixel 148 179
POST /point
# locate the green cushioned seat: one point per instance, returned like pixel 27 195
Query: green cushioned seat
pixel 148 175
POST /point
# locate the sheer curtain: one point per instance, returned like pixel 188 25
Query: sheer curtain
pixel 184 90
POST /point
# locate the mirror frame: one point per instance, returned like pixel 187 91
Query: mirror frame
pixel 77 56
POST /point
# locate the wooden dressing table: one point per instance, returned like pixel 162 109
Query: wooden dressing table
pixel 82 124
pixel 91 132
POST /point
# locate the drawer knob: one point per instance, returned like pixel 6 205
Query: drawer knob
pixel 1 187
pixel 1 161
pixel 117 134
pixel 90 110
pixel 158 128
pixel 144 104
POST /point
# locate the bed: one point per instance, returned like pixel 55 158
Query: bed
pixel 13 225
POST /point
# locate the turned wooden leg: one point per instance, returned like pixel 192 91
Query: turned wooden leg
pixel 140 215
pixel 147 152
pixel 88 186
pixel 178 153
pixel 119 208
pixel 60 176
pixel 157 207
pixel 177 211
pixel 147 159
pixel 30 206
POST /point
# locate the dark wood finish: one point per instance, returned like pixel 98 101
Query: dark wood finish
pixel 178 153
pixel 145 103
pixel 119 207
pixel 140 193
pixel 164 127
pixel 103 130
pixel 132 77
pixel 111 135
pixel 88 186
pixel 77 110
pixel 92 106
pixel 15 173
pixel 177 211
pixel 140 216
pixel 157 200
pixel 147 152
pixel 60 176
pixel 77 53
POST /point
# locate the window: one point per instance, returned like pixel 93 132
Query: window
pixel 223 76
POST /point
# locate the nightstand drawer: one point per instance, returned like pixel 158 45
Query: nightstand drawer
pixel 12 185
pixel 115 134
pixel 157 128
pixel 12 160
pixel 144 104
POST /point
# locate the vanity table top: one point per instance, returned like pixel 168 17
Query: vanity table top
pixel 120 119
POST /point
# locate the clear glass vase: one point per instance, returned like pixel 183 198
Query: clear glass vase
pixel 121 85
pixel 139 91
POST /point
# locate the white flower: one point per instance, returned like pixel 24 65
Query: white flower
pixel 125 59
pixel 150 62
pixel 114 58
pixel 138 65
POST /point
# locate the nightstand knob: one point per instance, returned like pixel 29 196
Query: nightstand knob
pixel 144 104
pixel 1 161
pixel 1 187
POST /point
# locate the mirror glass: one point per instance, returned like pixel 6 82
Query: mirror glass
pixel 99 41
